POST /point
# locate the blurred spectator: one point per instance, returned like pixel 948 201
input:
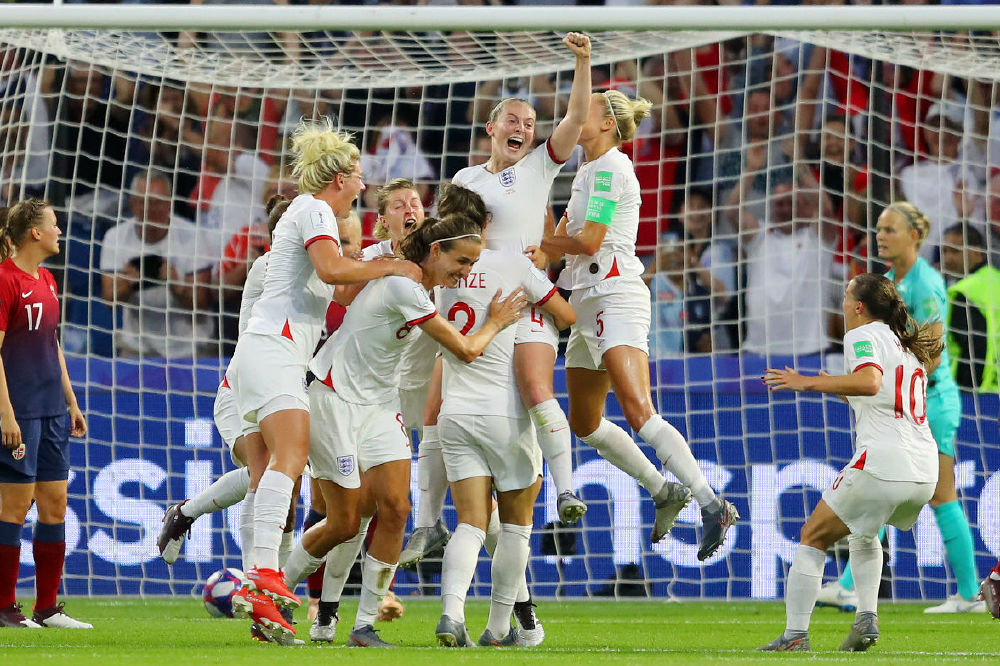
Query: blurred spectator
pixel 682 304
pixel 395 154
pixel 789 291
pixel 951 164
pixel 973 310
pixel 25 153
pixel 148 268
pixel 175 141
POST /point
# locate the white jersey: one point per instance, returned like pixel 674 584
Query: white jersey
pixel 605 190
pixel 894 442
pixel 294 300
pixel 516 198
pixel 487 386
pixel 361 362
pixel 252 289
pixel 379 249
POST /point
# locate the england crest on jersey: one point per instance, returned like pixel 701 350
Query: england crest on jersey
pixel 507 177
pixel 345 464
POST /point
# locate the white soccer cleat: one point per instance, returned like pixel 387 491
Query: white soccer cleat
pixel 833 594
pixel 530 632
pixel 324 629
pixel 956 604
pixel 56 618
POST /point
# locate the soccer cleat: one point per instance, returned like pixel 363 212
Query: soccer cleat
pixel 422 542
pixel 833 594
pixel 367 636
pixel 13 617
pixel 263 611
pixel 530 631
pixel 56 617
pixel 571 507
pixel 390 608
pixel 715 525
pixel 176 526
pixel 510 640
pixel 990 592
pixel 863 634
pixel 271 582
pixel 783 644
pixel 324 629
pixel 669 502
pixel 956 604
pixel 451 633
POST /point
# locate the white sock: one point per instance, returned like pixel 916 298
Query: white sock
pixel 339 563
pixel 285 548
pixel 866 563
pixel 509 563
pixel 492 532
pixel 556 442
pixel 614 445
pixel 246 529
pixel 805 577
pixel 270 511
pixel 673 450
pixel 224 492
pixel 458 568
pixel 299 565
pixel 432 478
pixel 376 576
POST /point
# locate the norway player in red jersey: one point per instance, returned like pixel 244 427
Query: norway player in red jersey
pixel 38 413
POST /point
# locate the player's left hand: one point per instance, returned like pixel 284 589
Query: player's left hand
pixel 77 422
pixel 788 379
pixel 578 43
pixel 537 256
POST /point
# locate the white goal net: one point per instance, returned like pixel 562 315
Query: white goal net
pixel 800 136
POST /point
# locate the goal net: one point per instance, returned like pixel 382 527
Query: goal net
pixel 764 166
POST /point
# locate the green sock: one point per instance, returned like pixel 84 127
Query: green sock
pixel 957 537
pixel 847 578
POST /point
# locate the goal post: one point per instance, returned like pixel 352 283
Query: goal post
pixel 808 119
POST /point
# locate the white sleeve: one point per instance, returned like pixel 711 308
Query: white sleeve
pixel 861 349
pixel 253 287
pixel 314 224
pixel 549 167
pixel 537 286
pixel 409 299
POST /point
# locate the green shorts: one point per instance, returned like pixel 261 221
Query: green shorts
pixel 944 411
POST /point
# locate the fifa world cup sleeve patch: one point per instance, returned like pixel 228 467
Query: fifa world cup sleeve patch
pixel 318 222
pixel 601 210
pixel 602 181
pixel 863 349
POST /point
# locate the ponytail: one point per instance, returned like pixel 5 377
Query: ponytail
pixel 883 302
pixel 628 113
pixel 416 246
pixel 275 208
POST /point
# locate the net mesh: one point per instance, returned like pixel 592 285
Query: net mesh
pixel 813 130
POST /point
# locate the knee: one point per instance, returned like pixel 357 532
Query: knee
pixel 636 410
pixel 812 537
pixel 583 424
pixel 393 512
pixel 535 393
pixel 15 509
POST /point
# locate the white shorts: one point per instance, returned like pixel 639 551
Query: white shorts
pixel 412 403
pixel 865 503
pixel 494 446
pixel 610 314
pixel 536 325
pixel 347 439
pixel 268 376
pixel 229 423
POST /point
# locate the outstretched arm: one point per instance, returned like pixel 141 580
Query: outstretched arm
pixel 864 381
pixel 567 132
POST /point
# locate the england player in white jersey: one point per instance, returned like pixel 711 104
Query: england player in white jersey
pixel 272 354
pixel 515 184
pixel 355 401
pixel 489 443
pixel 894 470
pixel 609 345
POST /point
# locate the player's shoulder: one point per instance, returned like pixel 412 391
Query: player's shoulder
pixel 306 205
pixel 929 277
pixel 467 174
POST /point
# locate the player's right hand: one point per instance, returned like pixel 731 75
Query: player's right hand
pixel 505 311
pixel 578 43
pixel 11 431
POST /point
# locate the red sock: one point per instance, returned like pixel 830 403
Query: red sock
pixel 49 558
pixel 314 582
pixel 10 564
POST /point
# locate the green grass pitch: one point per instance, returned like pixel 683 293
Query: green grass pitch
pixel 178 632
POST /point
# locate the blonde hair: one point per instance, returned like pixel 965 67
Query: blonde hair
pixel 20 218
pixel 320 154
pixel 495 111
pixel 381 231
pixel 628 113
pixel 914 219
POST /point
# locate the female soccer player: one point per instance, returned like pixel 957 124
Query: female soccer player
pixel 488 444
pixel 609 344
pixel 515 184
pixel 272 355
pixel 358 426
pixel 38 413
pixel 901 230
pixel 893 471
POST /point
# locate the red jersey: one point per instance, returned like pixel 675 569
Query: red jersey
pixel 29 317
